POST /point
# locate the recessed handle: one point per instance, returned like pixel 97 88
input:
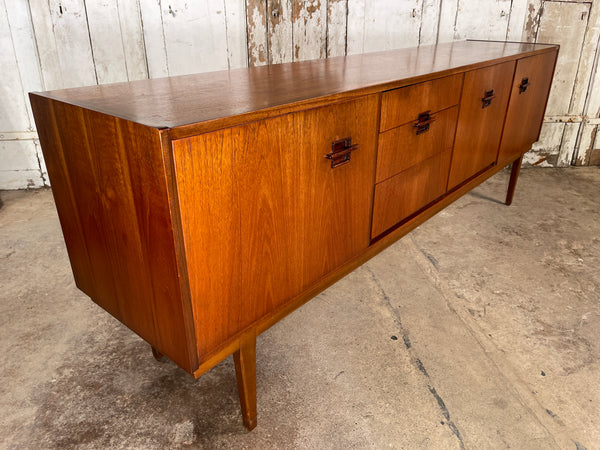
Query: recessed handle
pixel 340 152
pixel 486 100
pixel 524 85
pixel 424 119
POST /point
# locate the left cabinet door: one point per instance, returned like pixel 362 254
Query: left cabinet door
pixel 265 215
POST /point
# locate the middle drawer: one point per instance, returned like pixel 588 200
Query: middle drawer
pixel 401 147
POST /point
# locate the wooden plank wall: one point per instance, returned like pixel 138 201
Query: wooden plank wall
pixel 51 44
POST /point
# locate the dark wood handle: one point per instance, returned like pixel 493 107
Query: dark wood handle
pixel 486 100
pixel 524 85
pixel 424 119
pixel 340 152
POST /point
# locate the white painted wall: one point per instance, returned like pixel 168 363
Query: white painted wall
pixel 51 44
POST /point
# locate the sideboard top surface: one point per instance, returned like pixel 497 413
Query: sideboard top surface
pixel 207 97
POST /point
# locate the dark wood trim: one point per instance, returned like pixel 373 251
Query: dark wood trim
pixel 512 183
pixel 245 372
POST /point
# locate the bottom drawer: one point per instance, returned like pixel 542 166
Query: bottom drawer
pixel 404 194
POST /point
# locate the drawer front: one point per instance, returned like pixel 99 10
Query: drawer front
pixel 265 214
pixel 403 147
pixel 527 104
pixel 482 111
pixel 407 192
pixel 405 104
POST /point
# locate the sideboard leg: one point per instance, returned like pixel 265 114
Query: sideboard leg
pixel 512 184
pixel 157 355
pixel 245 371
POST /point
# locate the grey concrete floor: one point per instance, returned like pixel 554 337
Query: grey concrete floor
pixel 480 329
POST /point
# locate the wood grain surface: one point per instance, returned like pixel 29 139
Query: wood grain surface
pixel 401 147
pixel 404 194
pixel 265 216
pixel 526 109
pixel 403 105
pixel 479 129
pixel 251 93
pixel 111 195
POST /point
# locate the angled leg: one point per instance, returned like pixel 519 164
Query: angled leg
pixel 245 371
pixel 157 355
pixel 512 184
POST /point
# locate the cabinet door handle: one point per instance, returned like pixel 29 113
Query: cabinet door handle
pixel 340 152
pixel 424 119
pixel 486 100
pixel 524 85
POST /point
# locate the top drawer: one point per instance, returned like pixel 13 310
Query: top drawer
pixel 403 105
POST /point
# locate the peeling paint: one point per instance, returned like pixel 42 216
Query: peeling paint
pixel 257 33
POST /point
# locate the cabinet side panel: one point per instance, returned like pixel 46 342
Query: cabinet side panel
pixel 265 216
pixel 111 186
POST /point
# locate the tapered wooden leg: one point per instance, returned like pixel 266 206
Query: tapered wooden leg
pixel 512 184
pixel 245 372
pixel 157 355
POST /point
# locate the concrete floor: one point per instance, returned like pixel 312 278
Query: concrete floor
pixel 480 329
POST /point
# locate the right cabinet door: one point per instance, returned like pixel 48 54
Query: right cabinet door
pixel 528 99
pixel 482 111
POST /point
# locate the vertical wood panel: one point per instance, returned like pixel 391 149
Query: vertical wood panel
pixel 516 20
pixel 132 39
pixel 280 31
pixel 13 112
pixel 237 47
pixel 447 24
pixel 356 26
pixel 309 29
pixel 25 52
pixel 105 36
pixel 195 36
pixel 586 99
pixel 482 19
pixel 430 18
pixel 258 47
pixel 337 16
pixel 112 195
pixel 63 39
pixel 563 23
pixel 154 38
pixel 393 26
pixel 46 46
pixel 295 212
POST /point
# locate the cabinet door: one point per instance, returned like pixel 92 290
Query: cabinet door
pixel 480 121
pixel 264 214
pixel 528 99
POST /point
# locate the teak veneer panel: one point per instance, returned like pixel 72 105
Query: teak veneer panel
pixel 403 105
pixel 479 129
pixel 525 112
pixel 110 190
pixel 401 147
pixel 404 194
pixel 265 216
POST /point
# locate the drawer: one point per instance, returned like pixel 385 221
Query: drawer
pixel 407 192
pixel 403 105
pixel 401 147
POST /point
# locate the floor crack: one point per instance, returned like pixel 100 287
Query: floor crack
pixel 415 360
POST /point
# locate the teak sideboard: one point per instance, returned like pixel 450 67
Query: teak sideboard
pixel 201 209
